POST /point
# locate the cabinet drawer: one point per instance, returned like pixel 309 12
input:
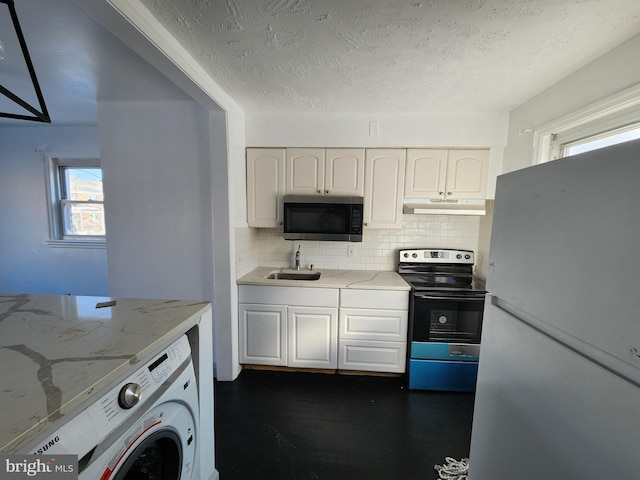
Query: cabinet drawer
pixel 386 299
pixel 372 356
pixel 276 295
pixel 365 324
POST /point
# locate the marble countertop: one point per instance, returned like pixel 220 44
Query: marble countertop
pixel 362 279
pixel 56 352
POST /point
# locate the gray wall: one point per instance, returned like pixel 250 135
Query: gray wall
pixel 156 164
pixel 609 74
pixel 27 263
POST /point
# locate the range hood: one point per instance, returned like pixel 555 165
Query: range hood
pixel 425 206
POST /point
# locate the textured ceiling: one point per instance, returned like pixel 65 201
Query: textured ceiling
pixel 357 56
pixel 316 56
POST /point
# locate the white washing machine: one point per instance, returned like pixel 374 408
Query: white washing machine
pixel 144 428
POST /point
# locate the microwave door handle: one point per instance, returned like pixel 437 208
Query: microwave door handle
pixel 452 298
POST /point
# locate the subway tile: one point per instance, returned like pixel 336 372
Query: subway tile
pixel 377 251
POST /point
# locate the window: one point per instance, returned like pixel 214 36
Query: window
pixel 612 120
pixel 81 201
pixel 76 201
pixel 604 139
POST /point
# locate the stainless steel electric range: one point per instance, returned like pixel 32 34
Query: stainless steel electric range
pixel 446 306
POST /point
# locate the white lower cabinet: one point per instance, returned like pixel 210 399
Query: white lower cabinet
pixel 304 328
pixel 263 334
pixel 312 337
pixel 372 356
pixel 288 326
pixel 373 330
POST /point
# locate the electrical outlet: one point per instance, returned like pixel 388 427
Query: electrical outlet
pixel 351 251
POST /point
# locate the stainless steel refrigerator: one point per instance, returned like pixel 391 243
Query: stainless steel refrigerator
pixel 558 392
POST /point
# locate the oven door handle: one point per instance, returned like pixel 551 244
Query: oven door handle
pixel 450 298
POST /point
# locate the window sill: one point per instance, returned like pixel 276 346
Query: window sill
pixel 76 244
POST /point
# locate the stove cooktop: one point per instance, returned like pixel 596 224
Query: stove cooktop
pixel 430 269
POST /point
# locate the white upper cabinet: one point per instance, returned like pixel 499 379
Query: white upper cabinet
pixel 383 176
pixel 265 186
pixel 446 174
pixel 304 171
pixel 319 171
pixel 344 172
pixel 467 174
pixel 383 191
pixel 426 173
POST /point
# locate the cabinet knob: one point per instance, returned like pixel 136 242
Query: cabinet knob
pixel 440 193
pixel 320 191
pixel 449 193
pixel 366 224
pixel 326 191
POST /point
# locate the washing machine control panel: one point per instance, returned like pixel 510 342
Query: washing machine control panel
pixel 116 405
pixel 166 363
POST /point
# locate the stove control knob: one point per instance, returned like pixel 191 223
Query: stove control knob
pixel 406 255
pixel 467 256
pixel 129 395
pixel 414 255
pixel 458 256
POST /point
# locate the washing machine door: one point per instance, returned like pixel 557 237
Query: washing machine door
pixel 159 456
pixel 160 445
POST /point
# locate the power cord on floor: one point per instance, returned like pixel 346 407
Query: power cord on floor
pixel 454 469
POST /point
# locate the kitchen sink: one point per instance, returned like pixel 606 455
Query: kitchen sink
pixel 294 276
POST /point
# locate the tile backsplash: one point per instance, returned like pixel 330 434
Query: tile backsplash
pixel 377 251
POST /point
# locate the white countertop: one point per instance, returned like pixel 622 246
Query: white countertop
pixel 362 279
pixel 57 351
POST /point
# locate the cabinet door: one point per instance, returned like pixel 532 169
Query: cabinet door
pixel 426 173
pixel 344 172
pixel 265 186
pixel 467 174
pixel 313 337
pixel 263 334
pixel 304 171
pixel 383 189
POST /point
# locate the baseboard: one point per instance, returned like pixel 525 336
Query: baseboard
pixel 326 371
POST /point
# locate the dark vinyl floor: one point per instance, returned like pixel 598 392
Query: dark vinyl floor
pixel 290 425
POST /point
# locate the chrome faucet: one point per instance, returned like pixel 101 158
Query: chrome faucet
pixel 297 264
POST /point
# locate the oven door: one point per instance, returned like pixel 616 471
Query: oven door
pixel 448 318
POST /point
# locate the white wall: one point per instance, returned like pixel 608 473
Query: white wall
pixel 27 263
pixel 156 167
pixel 228 364
pixel 436 129
pixel 225 305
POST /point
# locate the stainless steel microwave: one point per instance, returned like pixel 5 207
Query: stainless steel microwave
pixel 323 218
